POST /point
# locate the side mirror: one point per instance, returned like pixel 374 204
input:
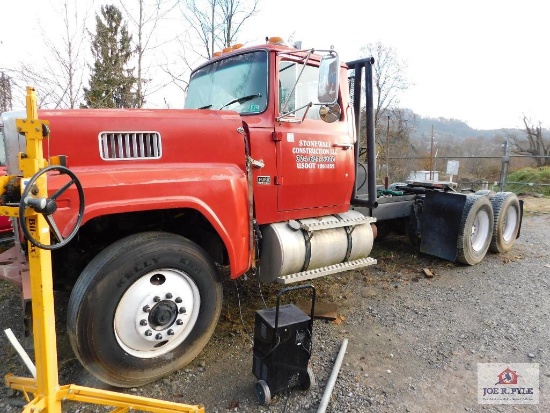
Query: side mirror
pixel 330 113
pixel 328 79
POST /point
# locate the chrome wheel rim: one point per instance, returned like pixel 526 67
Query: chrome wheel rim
pixel 157 313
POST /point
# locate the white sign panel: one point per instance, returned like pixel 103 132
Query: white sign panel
pixel 452 167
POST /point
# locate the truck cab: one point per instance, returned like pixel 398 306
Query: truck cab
pixel 304 165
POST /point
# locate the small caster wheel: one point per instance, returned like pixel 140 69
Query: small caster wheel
pixel 309 380
pixel 263 393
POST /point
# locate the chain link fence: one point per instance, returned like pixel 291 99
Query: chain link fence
pixel 514 173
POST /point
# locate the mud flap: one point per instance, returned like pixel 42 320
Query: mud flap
pixel 441 216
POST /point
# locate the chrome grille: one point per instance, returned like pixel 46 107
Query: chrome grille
pixel 114 146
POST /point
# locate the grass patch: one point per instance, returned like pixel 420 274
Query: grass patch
pixel 530 180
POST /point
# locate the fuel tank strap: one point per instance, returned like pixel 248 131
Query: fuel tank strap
pixel 349 230
pixel 307 240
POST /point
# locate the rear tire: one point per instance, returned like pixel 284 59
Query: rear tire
pixel 486 192
pixel 476 229
pixel 143 307
pixel 507 221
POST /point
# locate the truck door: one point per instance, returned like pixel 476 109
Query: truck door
pixel 314 158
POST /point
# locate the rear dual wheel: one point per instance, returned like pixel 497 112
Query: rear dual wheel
pixel 476 229
pixel 507 213
pixel 143 308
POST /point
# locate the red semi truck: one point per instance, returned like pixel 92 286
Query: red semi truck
pixel 258 173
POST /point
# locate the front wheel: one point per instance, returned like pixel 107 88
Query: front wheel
pixel 143 307
pixel 476 229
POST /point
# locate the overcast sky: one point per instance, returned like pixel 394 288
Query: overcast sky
pixel 485 62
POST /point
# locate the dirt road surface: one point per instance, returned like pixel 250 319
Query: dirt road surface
pixel 414 342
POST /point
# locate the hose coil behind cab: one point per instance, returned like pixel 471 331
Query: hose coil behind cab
pixel 295 246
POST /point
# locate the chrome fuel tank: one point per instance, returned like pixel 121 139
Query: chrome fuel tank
pixel 294 246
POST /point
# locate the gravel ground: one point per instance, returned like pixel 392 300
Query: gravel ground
pixel 414 342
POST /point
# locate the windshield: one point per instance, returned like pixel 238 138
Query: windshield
pixel 236 83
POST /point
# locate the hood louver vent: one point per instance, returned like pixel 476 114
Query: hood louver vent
pixel 117 146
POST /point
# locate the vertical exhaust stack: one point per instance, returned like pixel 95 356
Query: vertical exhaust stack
pixel 357 66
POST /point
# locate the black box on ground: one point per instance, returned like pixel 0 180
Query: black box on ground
pixel 282 349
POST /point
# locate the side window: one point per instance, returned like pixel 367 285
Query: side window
pixel 305 90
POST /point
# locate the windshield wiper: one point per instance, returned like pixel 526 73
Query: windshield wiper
pixel 242 100
pixel 205 107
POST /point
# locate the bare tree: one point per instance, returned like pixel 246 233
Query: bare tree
pixel 60 77
pixel 146 21
pixel 533 144
pixel 212 25
pixel 393 125
pixel 234 14
pixel 389 78
pixel 216 23
pixel 5 93
pixel 203 19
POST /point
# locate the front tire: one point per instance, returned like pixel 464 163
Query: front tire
pixel 143 308
pixel 476 229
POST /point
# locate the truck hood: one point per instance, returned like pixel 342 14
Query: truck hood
pixel 111 137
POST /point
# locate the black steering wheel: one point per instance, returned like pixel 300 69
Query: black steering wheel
pixel 48 206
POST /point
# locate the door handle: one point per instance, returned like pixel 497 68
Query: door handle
pixel 343 145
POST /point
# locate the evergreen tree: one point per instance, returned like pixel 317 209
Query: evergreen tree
pixel 111 82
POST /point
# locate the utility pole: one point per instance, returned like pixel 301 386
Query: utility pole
pixel 432 155
pixel 504 167
pixel 387 178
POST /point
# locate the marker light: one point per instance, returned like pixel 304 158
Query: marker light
pixel 276 40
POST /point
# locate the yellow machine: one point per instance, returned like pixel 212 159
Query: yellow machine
pixel 46 391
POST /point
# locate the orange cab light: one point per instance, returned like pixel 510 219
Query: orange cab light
pixel 276 40
pixel 216 54
pixel 237 46
pixel 226 50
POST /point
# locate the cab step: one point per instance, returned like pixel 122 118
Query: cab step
pixel 321 272
pixel 317 226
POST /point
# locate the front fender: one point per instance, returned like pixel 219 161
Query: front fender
pixel 217 191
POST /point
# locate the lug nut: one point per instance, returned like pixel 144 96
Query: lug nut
pixel 182 310
pixel 143 323
pixel 146 309
pixel 179 322
pixel 170 332
pixel 156 299
pixel 178 300
pixel 158 336
pixel 148 333
pixel 169 295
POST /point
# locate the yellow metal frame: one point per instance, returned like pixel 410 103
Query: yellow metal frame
pixel 46 391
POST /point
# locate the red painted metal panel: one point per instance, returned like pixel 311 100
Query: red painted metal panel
pixel 204 187
pixel 315 172
pixel 202 167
